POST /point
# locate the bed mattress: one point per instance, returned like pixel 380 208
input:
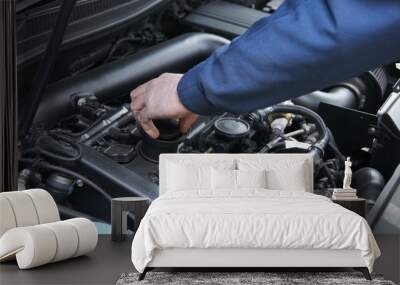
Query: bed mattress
pixel 250 219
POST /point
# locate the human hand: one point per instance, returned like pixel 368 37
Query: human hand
pixel 158 99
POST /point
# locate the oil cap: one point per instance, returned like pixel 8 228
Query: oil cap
pixel 231 128
pixel 121 153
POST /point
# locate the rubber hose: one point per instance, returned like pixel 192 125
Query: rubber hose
pixel 369 183
pixel 320 145
pixel 75 174
pixel 52 145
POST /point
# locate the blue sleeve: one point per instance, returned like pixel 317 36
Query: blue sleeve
pixel 304 46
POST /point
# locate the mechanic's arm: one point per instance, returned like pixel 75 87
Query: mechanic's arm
pixel 304 46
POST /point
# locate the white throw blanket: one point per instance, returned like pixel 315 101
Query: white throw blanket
pixel 250 219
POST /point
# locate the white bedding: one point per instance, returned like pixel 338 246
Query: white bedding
pixel 250 219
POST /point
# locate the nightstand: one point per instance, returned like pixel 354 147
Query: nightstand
pixel 121 208
pixel 357 205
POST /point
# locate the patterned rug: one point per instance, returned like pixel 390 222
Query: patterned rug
pixel 244 278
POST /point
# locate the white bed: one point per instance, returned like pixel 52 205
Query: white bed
pixel 205 226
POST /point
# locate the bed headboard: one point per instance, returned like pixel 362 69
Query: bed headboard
pixel 282 159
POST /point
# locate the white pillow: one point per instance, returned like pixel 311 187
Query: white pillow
pixel 282 174
pixel 186 174
pixel 251 178
pixel 223 179
pixel 183 177
pixel 281 180
pixel 230 180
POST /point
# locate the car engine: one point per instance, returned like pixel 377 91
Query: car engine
pixel 85 146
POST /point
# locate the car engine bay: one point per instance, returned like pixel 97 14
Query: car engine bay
pixel 85 147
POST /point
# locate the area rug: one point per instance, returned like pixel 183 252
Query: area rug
pixel 244 278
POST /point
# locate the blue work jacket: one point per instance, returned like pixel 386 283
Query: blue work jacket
pixel 304 46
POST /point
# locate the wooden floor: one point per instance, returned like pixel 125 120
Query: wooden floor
pixel 110 260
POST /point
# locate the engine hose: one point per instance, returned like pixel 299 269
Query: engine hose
pixel 49 166
pixel 364 92
pixel 332 144
pixel 75 174
pixel 53 145
pixel 119 77
pixel 320 145
pixel 337 152
pixel 331 178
